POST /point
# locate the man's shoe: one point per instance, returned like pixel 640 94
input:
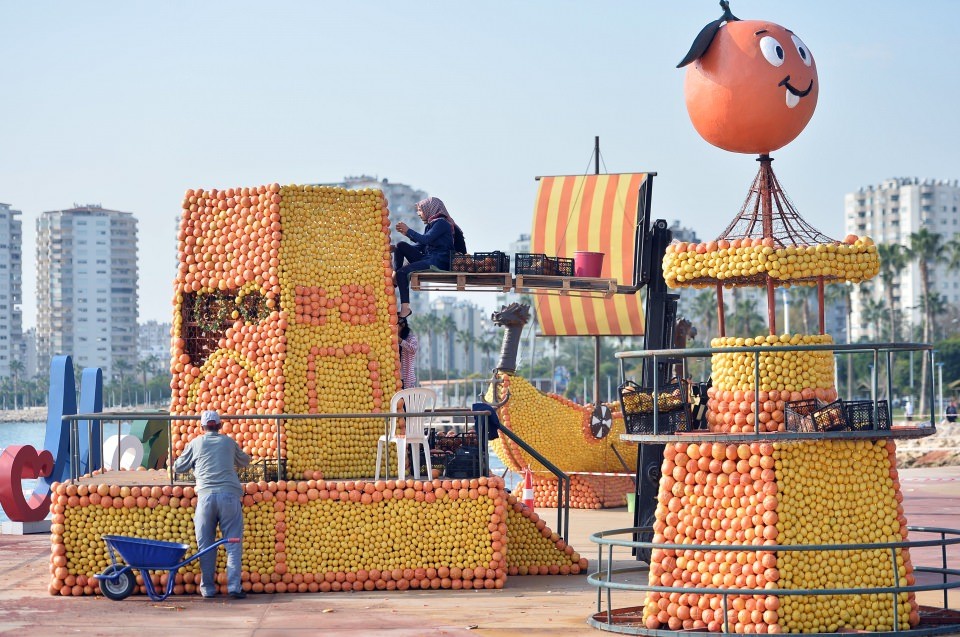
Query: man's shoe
pixel 211 596
pixel 238 595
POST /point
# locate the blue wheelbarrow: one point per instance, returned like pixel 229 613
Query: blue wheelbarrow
pixel 118 580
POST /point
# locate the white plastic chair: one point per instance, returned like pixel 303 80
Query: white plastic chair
pixel 415 399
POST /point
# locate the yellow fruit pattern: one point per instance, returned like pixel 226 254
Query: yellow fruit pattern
pixel 705 264
pixel 841 492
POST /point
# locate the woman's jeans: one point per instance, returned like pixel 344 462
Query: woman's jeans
pixel 225 509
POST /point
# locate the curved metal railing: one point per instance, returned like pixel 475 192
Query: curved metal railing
pixel 605 579
pixel 876 349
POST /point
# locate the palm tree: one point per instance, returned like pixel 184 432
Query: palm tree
pixel 928 250
pixel 703 308
pixel 16 369
pixel 744 317
pixel 447 327
pixel 466 339
pixel 893 259
pixel 803 293
pixel 938 307
pixel 872 314
pixel 839 293
pixel 427 325
pixel 121 368
pixel 487 345
pixel 145 366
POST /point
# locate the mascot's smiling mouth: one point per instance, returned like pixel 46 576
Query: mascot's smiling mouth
pixel 794 95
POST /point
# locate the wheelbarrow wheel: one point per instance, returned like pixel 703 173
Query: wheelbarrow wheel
pixel 119 587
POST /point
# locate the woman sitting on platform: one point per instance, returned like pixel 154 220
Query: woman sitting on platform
pixel 430 249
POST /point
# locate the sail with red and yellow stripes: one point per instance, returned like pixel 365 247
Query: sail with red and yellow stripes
pixel 598 213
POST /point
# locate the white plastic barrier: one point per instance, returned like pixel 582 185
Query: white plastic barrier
pixel 122 452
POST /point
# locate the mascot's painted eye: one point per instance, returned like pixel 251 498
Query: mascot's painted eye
pixel 772 50
pixel 802 50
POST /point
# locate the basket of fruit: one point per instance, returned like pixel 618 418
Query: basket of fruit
pixel 635 399
pixel 535 264
pixel 480 262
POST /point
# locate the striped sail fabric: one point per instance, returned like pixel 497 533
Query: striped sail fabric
pixel 596 213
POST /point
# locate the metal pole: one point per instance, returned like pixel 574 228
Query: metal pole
pixel 896 595
pixel 721 322
pixel 280 474
pixel 169 449
pixel 823 313
pixel 786 310
pixel 596 371
pixel 596 155
pixel 940 382
pixel 756 393
pixel 943 564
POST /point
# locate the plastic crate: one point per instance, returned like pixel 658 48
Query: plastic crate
pixel 452 440
pixel 480 262
pixel 667 422
pixel 859 415
pixel 639 400
pixel 798 414
pixel 830 417
pixel 536 264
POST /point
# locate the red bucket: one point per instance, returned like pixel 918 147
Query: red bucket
pixel 587 264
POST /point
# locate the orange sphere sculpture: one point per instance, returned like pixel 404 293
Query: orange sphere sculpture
pixel 752 86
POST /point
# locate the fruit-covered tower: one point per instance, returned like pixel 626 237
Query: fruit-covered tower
pixel 284 303
pixel 742 501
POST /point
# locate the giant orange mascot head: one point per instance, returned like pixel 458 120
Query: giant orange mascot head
pixel 752 85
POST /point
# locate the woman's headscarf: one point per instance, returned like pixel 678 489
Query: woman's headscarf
pixel 435 208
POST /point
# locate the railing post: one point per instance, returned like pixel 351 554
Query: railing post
pixel 943 564
pixel 169 451
pixel 756 393
pixel 726 616
pixel 280 476
pixel 896 594
pixel 656 397
pixel 609 580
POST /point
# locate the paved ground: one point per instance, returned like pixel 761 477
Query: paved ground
pixel 528 605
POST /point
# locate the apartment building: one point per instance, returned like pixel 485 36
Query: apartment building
pixel 87 287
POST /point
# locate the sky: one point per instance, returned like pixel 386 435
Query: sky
pixel 128 104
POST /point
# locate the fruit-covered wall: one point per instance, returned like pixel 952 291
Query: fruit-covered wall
pixel 768 495
pixel 321 536
pixel 284 303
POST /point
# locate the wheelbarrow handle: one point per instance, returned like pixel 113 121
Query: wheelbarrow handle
pixel 234 540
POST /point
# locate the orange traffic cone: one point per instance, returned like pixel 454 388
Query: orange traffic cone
pixel 528 500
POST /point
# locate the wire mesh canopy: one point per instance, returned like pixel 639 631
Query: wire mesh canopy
pixel 777 219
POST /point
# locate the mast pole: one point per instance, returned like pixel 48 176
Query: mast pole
pixel 596 339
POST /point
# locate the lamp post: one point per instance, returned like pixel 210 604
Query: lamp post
pixel 786 310
pixel 940 392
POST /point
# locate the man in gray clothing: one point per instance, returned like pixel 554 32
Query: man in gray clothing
pixel 213 458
